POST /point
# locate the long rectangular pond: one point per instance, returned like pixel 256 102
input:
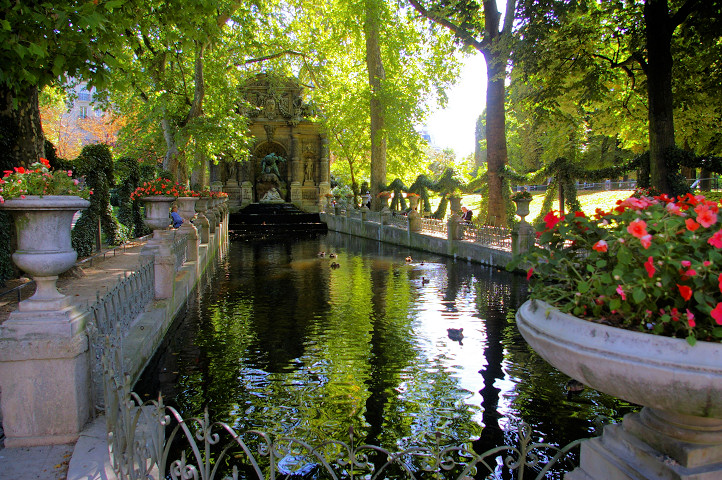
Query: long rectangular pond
pixel 395 343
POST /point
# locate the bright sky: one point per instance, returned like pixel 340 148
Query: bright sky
pixel 454 126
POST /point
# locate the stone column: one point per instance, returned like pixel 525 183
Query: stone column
pixel 246 193
pixel 296 170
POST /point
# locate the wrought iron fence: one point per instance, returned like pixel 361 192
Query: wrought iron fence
pixel 434 226
pixel 180 250
pixel 496 237
pixel 150 440
pixel 112 314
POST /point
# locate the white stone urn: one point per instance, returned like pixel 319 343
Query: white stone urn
pixel 157 212
pixel 680 387
pixel 187 208
pixel 44 249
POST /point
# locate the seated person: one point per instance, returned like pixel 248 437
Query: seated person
pixel 466 215
pixel 177 219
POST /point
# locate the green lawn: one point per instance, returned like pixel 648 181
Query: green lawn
pixel 590 201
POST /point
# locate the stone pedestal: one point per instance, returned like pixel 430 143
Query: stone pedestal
pixel 246 193
pixel 163 264
pixel 45 377
pixel 415 224
pixel 235 196
pixel 296 195
pixel 523 237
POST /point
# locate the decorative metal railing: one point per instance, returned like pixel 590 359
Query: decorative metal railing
pixel 150 440
pixel 434 227
pixel 496 237
pixel 179 250
pixel 112 314
pixel 399 221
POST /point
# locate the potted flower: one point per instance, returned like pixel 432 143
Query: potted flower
pixel 43 203
pixel 628 302
pixel 522 200
pixel 157 196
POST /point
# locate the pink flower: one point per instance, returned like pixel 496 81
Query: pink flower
pixel 674 209
pixel 716 239
pixel 649 266
pixel 600 246
pixel 685 291
pixel 686 263
pixel 720 282
pixel 717 313
pixel 706 263
pixel 638 228
pixel 646 241
pixel 621 293
pixel 690 319
pixel 705 216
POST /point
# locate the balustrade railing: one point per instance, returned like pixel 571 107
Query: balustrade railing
pixel 112 314
pixel 434 227
pixel 374 217
pixel 496 237
pixel 399 221
pixel 355 214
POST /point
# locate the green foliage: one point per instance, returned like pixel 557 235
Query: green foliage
pixel 7 268
pixel 129 211
pixel 95 163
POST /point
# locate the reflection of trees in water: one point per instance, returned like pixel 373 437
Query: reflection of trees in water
pixel 286 344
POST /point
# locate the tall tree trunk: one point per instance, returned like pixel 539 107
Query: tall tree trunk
pixel 659 30
pixel 376 72
pixel 21 135
pixel 496 153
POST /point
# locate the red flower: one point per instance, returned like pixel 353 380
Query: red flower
pixel 45 162
pixel 600 246
pixel 530 272
pixel 690 319
pixel 720 282
pixel 579 214
pixel 20 169
pixel 691 225
pixel 717 313
pixel 649 266
pixel 638 228
pixel 646 241
pixel 685 291
pixel 551 219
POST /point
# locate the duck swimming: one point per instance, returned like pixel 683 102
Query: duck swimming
pixel 321 254
pixel 409 259
pixel 456 334
pixel 332 255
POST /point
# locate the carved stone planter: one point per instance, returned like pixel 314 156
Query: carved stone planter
pixel 522 207
pixel 44 244
pixel 157 212
pixel 678 385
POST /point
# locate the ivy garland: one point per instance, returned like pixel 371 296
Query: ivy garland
pixel 129 211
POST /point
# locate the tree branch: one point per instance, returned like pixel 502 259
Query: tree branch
pixel 466 37
pixel 682 13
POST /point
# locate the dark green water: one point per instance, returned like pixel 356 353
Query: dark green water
pixel 280 341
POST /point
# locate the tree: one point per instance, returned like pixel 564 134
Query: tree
pixel 478 27
pixel 620 62
pixel 44 43
pixel 417 67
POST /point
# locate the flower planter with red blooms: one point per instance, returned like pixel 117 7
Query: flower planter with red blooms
pixel 157 197
pixel 629 302
pixel 652 264
pixel 43 203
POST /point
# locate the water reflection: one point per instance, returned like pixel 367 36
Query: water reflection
pixel 282 342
